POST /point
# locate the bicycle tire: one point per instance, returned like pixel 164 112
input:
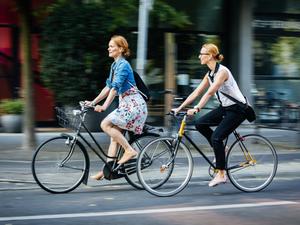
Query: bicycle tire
pixel 255 174
pixel 156 176
pixel 55 168
pixel 130 167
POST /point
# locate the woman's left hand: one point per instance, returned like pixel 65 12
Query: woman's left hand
pixel 191 112
pixel 99 108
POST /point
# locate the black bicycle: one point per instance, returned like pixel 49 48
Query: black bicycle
pixel 165 165
pixel 61 163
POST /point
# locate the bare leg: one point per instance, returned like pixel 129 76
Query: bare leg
pixel 116 134
pixel 112 151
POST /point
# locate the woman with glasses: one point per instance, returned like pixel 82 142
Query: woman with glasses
pixel 227 116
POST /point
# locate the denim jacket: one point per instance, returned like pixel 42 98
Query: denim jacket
pixel 122 74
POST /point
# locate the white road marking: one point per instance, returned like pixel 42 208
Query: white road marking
pixel 146 211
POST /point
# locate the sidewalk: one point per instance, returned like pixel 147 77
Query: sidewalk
pixel 11 143
pixel 15 163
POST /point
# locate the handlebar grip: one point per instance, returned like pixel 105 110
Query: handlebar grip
pixel 82 104
pixel 171 113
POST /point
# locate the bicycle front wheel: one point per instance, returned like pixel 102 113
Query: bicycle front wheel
pixel 251 163
pixel 59 164
pixel 160 171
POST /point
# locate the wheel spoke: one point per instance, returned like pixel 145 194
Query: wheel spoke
pixel 130 167
pixel 252 164
pixel 58 167
pixel 164 175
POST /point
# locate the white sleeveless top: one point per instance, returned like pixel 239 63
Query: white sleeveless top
pixel 229 87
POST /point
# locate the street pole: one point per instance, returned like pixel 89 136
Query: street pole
pixel 170 78
pixel 144 7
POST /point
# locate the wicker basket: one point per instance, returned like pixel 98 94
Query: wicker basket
pixel 67 119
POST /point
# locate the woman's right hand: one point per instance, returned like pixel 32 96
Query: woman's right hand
pixel 88 103
pixel 99 108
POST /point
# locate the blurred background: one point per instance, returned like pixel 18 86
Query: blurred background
pixel 260 40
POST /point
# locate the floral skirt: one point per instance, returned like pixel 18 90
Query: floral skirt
pixel 132 112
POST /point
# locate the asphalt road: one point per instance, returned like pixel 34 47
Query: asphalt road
pixel 121 204
pixel 116 202
pixel 22 201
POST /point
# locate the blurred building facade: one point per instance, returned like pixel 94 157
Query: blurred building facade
pixel 11 59
pixel 260 40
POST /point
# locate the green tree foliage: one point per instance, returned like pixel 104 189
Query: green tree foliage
pixel 164 15
pixel 285 54
pixel 74 42
pixel 72 37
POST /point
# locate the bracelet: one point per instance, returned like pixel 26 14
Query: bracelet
pixel 197 108
pixel 93 103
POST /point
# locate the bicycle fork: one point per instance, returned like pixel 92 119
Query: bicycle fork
pixel 249 159
pixel 70 153
pixel 71 142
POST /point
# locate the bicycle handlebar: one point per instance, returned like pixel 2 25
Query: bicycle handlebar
pixel 83 108
pixel 171 113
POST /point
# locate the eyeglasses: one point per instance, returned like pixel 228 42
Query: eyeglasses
pixel 204 53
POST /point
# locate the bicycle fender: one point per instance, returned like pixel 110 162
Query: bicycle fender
pixel 136 136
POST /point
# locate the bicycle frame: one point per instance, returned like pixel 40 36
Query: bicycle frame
pixel 76 136
pixel 162 153
pixel 181 133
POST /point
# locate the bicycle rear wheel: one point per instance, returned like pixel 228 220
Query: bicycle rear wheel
pixel 254 171
pixel 161 173
pixel 130 166
pixel 60 164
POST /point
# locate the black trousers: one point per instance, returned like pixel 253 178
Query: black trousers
pixel 227 119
